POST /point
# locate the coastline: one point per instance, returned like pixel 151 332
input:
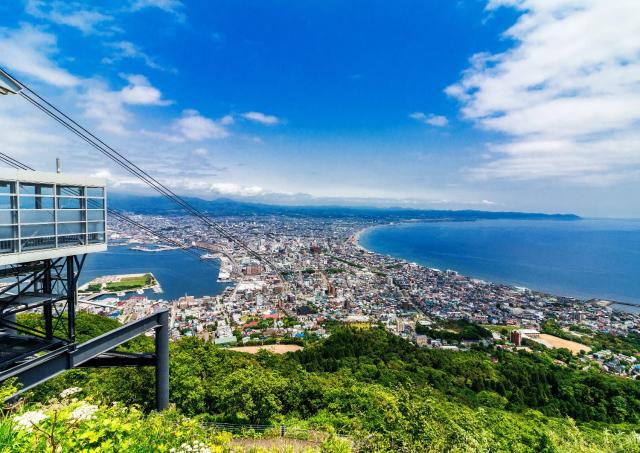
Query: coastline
pixel 357 236
pixel 356 239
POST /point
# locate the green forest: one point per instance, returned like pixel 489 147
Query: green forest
pixel 383 392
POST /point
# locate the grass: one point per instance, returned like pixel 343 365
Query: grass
pixel 496 328
pixel 128 283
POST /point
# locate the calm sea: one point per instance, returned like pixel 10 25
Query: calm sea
pixel 584 258
pixel 179 273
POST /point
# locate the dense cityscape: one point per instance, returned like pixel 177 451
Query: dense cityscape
pixel 323 275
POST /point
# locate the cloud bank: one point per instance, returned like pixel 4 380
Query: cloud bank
pixel 565 96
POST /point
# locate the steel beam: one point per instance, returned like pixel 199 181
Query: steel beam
pixel 120 359
pixel 114 338
pixel 162 361
pixel 35 371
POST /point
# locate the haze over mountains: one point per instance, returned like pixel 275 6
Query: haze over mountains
pixel 227 207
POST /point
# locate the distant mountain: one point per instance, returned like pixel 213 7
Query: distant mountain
pixel 227 207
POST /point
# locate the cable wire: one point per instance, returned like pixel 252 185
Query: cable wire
pixel 67 122
pixel 14 163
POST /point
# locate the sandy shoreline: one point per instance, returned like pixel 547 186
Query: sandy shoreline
pixel 355 238
pixel 611 304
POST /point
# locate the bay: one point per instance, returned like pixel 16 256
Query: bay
pixel 179 273
pixel 589 258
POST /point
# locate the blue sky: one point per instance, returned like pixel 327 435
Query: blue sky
pixel 501 104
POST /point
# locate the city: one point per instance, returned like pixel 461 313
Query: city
pixel 323 275
pixel 328 227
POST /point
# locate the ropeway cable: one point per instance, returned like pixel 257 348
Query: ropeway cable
pixel 132 168
pixel 14 163
pixel 152 182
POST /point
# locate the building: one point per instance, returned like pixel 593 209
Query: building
pixel 48 215
pixel 516 338
pixel 253 269
pixel 49 222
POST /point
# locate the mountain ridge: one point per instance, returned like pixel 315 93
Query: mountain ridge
pixel 228 207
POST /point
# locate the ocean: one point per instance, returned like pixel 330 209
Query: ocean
pixel 590 258
pixel 179 273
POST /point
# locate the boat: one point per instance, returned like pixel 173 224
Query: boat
pixel 208 256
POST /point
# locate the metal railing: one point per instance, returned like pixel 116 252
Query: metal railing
pixel 290 432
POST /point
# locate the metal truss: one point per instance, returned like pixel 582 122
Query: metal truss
pixel 34 355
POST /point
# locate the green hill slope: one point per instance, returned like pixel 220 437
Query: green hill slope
pixel 388 395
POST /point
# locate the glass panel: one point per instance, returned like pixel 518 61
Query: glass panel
pixel 69 203
pixel 44 190
pixel 73 191
pixel 27 202
pixel 46 229
pixel 36 216
pixel 68 228
pixel 8 232
pixel 8 246
pixel 95 192
pixel 70 216
pixel 95 203
pixel 95 215
pixel 27 188
pixel 7 202
pixel 95 227
pixel 6 187
pixel 38 243
pixel 96 238
pixel 36 189
pixel 8 217
pixel 67 241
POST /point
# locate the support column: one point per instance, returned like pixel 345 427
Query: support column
pixel 72 299
pixel 162 361
pixel 48 307
pixel 10 329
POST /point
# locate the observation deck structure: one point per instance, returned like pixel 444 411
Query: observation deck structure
pixel 49 222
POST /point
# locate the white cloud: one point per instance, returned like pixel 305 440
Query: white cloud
pixel 193 126
pixel 127 49
pixel 24 130
pixel 28 51
pixel 227 120
pixel 141 92
pixel 108 107
pixel 200 152
pixel 71 14
pixel 174 7
pixel 235 189
pixel 261 118
pixel 202 187
pixel 566 94
pixel 431 119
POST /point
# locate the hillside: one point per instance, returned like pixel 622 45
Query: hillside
pixel 384 394
pixel 227 207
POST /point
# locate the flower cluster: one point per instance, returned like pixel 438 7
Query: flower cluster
pixel 197 447
pixel 27 420
pixel 83 412
pixel 66 393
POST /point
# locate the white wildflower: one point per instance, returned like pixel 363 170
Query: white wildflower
pixel 197 447
pixel 70 391
pixel 84 412
pixel 28 419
